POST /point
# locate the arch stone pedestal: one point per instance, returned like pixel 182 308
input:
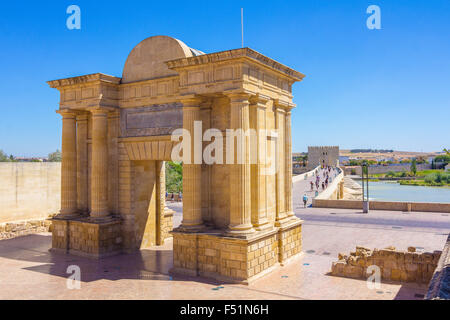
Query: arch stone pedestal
pixel 238 221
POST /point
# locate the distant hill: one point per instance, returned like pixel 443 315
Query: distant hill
pixel 371 151
pixel 374 154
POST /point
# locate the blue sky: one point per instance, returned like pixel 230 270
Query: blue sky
pixel 364 88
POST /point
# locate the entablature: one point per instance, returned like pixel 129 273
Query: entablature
pixel 233 70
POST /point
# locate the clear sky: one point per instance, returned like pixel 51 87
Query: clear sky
pixel 364 88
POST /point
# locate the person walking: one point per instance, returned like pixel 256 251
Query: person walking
pixel 312 185
pixel 305 200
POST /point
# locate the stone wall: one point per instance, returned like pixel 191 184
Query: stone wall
pixel 21 228
pixel 166 224
pixel 325 155
pixel 304 175
pixel 29 191
pixel 395 265
pixel 85 238
pixel 234 260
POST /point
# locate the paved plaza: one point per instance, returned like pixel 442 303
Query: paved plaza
pixel 29 271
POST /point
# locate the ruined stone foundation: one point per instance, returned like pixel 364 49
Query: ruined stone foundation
pixel 394 265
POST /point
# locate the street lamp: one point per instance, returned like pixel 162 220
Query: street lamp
pixel 365 186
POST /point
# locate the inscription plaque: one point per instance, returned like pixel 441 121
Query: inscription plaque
pixel 156 120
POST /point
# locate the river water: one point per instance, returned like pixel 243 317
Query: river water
pixel 393 191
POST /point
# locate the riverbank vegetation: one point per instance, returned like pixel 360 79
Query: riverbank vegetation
pixel 433 178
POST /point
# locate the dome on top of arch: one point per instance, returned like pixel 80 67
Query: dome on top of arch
pixel 147 60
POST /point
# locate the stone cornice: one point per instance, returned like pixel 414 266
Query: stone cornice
pixel 243 53
pixel 84 79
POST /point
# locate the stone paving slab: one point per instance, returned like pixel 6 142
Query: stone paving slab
pixel 29 271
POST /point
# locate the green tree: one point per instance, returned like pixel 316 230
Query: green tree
pixel 413 167
pixel 174 177
pixel 442 158
pixel 390 174
pixel 4 157
pixel 55 156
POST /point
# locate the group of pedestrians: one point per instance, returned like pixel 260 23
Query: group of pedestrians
pixel 317 182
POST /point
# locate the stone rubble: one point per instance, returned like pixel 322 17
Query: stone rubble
pixel 11 230
pixel 395 265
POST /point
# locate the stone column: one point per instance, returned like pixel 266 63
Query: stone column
pixel 258 156
pixel 288 164
pixel 205 112
pixel 69 164
pixel 240 193
pixel 192 172
pixel 82 163
pixel 113 161
pixel 99 173
pixel 160 200
pixel 280 182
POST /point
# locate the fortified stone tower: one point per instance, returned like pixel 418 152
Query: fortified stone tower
pixel 327 156
pixel 238 220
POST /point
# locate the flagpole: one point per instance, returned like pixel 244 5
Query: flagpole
pixel 242 26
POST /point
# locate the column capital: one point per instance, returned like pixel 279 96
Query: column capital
pixel 191 101
pixel 82 116
pixel 114 114
pixel 101 110
pixel 283 104
pixel 238 96
pixel 259 100
pixel 67 113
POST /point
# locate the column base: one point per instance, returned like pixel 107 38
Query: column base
pixel 191 228
pixel 67 215
pixel 263 225
pixel 290 214
pixel 243 231
pixel 218 256
pixel 87 238
pixel 282 222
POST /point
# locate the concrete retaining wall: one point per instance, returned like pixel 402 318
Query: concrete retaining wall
pixel 383 205
pixel 29 191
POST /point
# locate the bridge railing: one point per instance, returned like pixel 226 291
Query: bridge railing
pixel 304 176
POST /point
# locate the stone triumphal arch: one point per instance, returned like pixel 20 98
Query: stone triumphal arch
pixel 238 222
